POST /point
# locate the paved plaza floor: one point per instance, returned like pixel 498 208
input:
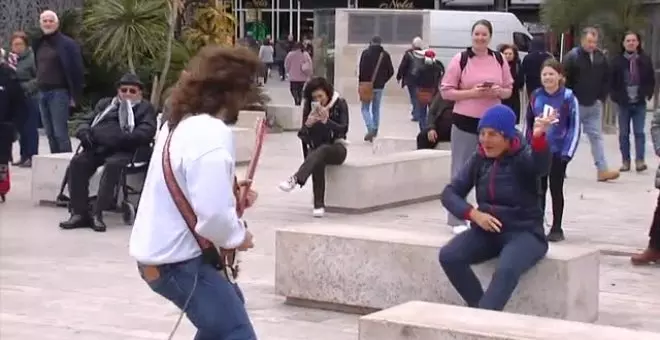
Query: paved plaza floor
pixel 78 284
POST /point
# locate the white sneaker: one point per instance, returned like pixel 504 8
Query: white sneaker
pixel 318 212
pixel 460 229
pixel 288 185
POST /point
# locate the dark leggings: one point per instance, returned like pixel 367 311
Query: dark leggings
pixel 296 88
pixel 314 165
pixel 556 180
pixel 654 232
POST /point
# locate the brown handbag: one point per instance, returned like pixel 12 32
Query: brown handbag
pixel 424 96
pixel 366 88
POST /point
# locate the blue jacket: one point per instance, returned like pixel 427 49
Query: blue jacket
pixel 72 62
pixel 506 187
pixel 564 136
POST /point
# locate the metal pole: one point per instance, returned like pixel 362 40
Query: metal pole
pixel 241 19
pixel 277 16
pixel 298 18
pixel 234 8
pixel 290 16
pixel 272 20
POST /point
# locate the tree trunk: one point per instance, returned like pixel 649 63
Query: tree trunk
pixel 160 85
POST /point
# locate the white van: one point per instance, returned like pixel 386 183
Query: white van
pixel 451 32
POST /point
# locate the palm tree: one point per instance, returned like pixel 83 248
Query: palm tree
pixel 612 17
pixel 212 24
pixel 122 31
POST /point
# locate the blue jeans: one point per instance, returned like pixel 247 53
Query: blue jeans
pixel 591 118
pixel 371 111
pixel 517 252
pixel 215 306
pixel 29 132
pixel 54 108
pixel 635 114
pixel 418 110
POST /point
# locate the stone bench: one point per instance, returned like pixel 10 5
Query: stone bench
pixel 248 119
pixel 388 145
pixel 380 182
pixel 353 268
pixel 429 321
pixel 48 169
pixel 287 117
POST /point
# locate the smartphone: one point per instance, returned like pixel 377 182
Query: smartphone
pixel 487 84
pixel 315 105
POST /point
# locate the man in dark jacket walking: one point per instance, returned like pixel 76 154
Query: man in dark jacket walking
pixel 111 136
pixel 404 75
pixel 60 79
pixel 375 65
pixel 531 65
pixel 588 75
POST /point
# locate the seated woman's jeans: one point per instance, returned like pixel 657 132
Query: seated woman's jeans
pixel 314 165
pixel 517 251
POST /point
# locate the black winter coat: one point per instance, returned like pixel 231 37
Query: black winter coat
pixel 618 87
pixel 368 61
pixel 107 134
pixel 13 110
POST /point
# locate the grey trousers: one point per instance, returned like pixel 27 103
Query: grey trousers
pixel 463 145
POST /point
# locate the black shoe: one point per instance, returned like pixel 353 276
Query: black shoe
pixel 26 164
pixel 20 162
pixel 76 222
pixel 555 235
pixel 97 224
pixel 369 137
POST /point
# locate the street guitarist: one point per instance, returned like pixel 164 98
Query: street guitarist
pixel 188 207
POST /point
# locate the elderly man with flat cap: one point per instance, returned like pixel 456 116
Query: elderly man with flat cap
pixel 117 129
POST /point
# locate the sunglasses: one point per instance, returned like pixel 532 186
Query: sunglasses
pixel 125 90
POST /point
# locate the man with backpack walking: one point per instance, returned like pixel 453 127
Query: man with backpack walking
pixel 404 76
pixel 375 67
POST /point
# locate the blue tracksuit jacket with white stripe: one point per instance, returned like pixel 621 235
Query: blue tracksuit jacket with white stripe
pixel 564 136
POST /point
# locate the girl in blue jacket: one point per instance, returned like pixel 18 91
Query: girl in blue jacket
pixel 563 136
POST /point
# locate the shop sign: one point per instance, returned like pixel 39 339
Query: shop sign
pixel 397 4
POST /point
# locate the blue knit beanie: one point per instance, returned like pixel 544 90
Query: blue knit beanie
pixel 501 119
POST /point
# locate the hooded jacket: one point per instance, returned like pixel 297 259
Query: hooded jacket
pixel 403 74
pixel 564 136
pixel 335 128
pixel 507 187
pixel 368 61
pixel 531 65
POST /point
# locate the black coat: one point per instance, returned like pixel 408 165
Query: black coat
pixel 588 80
pixel 403 74
pixel 368 61
pixel 619 66
pixel 335 128
pixel 13 110
pixel 107 134
pixel 518 82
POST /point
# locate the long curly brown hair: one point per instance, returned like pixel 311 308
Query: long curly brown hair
pixel 218 81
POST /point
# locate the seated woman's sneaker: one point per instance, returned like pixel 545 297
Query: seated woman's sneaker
pixel 288 185
pixel 318 212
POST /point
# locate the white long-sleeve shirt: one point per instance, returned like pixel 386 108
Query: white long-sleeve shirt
pixel 202 157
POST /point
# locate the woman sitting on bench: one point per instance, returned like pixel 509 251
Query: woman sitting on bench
pixel 323 135
pixel 508 222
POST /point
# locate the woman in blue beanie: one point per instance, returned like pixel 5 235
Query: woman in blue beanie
pixel 508 221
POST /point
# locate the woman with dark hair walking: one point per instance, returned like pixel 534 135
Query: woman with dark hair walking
pixel 632 84
pixel 511 56
pixel 323 135
pixel 298 66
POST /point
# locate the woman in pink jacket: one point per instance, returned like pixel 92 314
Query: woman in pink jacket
pixel 298 66
pixel 476 79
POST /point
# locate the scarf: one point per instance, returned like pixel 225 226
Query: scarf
pixel 633 72
pixel 125 113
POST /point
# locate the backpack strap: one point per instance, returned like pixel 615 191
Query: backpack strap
pixel 464 59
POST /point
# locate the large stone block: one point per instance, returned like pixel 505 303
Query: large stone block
pixel 362 269
pixel 388 145
pixel 379 182
pixel 244 139
pixel 48 170
pixel 248 119
pixel 287 117
pixel 429 321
